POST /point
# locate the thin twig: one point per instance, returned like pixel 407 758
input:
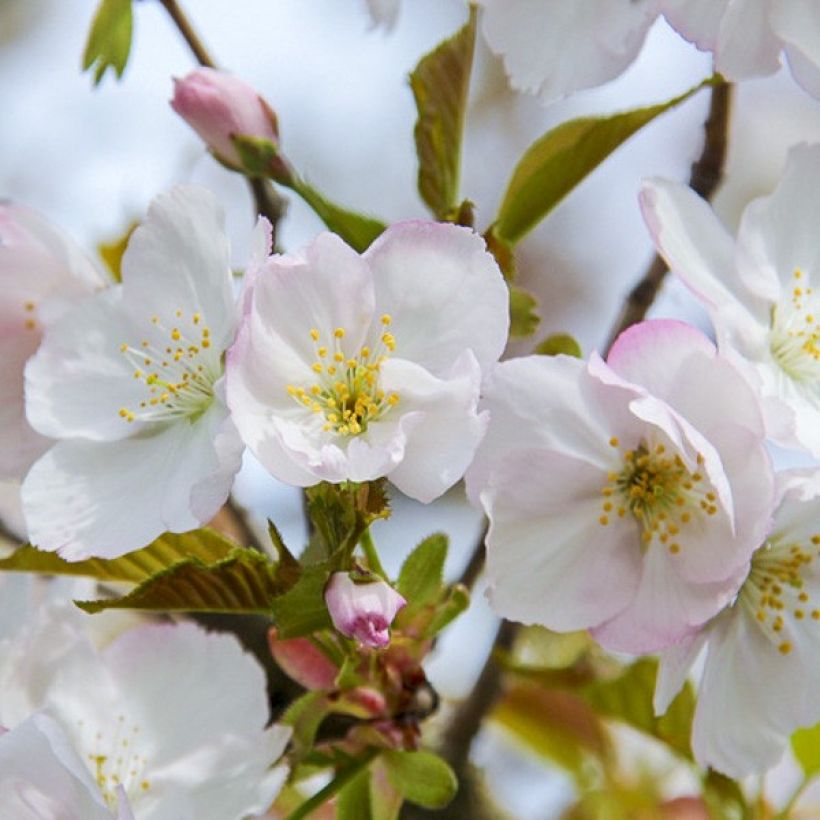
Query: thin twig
pixel 267 200
pixel 704 179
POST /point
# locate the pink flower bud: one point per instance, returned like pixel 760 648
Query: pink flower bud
pixel 362 611
pixel 303 662
pixel 218 106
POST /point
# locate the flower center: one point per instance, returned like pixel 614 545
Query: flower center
pixel 347 392
pixel 794 338
pixel 659 491
pixel 774 591
pixel 114 758
pixel 178 368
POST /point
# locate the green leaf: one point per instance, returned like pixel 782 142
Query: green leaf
pixel 302 609
pixel 554 164
pixel 422 574
pixel 354 799
pixel 422 777
pixel 559 343
pixel 440 83
pixel 204 545
pixel 305 715
pixel 109 40
pixel 524 318
pixel 243 582
pixel 356 229
pixel 457 600
pixel 724 798
pixel 806 748
pixel 629 698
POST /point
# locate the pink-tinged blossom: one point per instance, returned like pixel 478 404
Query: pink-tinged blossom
pixel 166 718
pixel 40 272
pixel 624 497
pixel 130 383
pixel 553 47
pixel 363 611
pixel 762 669
pixel 350 367
pixel 760 291
pixel 218 107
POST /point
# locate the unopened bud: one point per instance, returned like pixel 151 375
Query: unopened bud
pixel 363 611
pixel 218 107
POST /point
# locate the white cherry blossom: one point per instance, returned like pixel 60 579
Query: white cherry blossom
pixel 762 669
pixel 166 717
pixel 760 291
pixel 130 383
pixel 619 498
pixel 40 272
pixel 351 367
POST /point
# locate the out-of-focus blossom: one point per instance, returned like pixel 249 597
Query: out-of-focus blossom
pixel 43 778
pixel 219 106
pixel 169 717
pixel 363 611
pixel 625 497
pixel 351 367
pixel 130 382
pixel 553 47
pixel 762 670
pixel 40 272
pixel 761 291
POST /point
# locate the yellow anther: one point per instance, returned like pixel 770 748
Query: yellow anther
pixel 154 320
pixel 674 548
pixel 364 352
pixel 322 351
pixel 206 343
pixel 123 348
pixel 785 648
pixel 603 520
pixel 339 333
pixel 393 399
pixel 352 364
pixel 338 357
pixel 175 334
pixel 331 370
pixel 314 334
pixel 317 367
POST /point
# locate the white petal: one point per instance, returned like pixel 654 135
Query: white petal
pixel 108 498
pixel 43 778
pixel 443 440
pixel 549 559
pixel 675 664
pixel 797 23
pixel 79 379
pixel 444 292
pixel 747 46
pixel 698 248
pixel 696 20
pixel 384 12
pixel 179 258
pixel 552 48
pixel 805 69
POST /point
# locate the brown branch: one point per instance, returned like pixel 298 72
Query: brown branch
pixel 704 178
pixel 267 200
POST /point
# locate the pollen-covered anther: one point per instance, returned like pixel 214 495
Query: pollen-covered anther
pixel 348 393
pixel 660 493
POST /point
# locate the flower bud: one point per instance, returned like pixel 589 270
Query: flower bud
pixel 363 611
pixel 218 106
pixel 302 661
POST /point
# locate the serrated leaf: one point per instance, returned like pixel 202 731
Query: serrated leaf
pixel 440 84
pixel 421 577
pixel 629 698
pixel 243 582
pixel 205 545
pixel 354 799
pixel 302 609
pixel 555 163
pixel 557 344
pixel 557 725
pixel 112 252
pixel 524 318
pixel 109 40
pixel 806 748
pixel 421 777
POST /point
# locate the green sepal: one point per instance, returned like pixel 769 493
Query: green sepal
pixel 524 318
pixel 555 163
pixel 421 777
pixel 456 601
pixel 559 344
pixel 302 609
pixel 109 39
pixel 806 748
pixel 440 84
pixel 305 715
pixel 354 801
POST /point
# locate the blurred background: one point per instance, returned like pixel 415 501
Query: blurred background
pixel 91 159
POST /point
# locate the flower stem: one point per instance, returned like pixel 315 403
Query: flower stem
pixel 188 33
pixel 704 179
pixel 372 554
pixel 343 777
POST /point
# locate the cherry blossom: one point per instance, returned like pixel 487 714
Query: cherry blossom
pixel 759 291
pixel 619 498
pixel 351 367
pixel 362 610
pixel 761 674
pixel 130 383
pixel 40 273
pixel 168 717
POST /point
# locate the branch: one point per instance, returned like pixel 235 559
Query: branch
pixel 267 201
pixel 704 178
